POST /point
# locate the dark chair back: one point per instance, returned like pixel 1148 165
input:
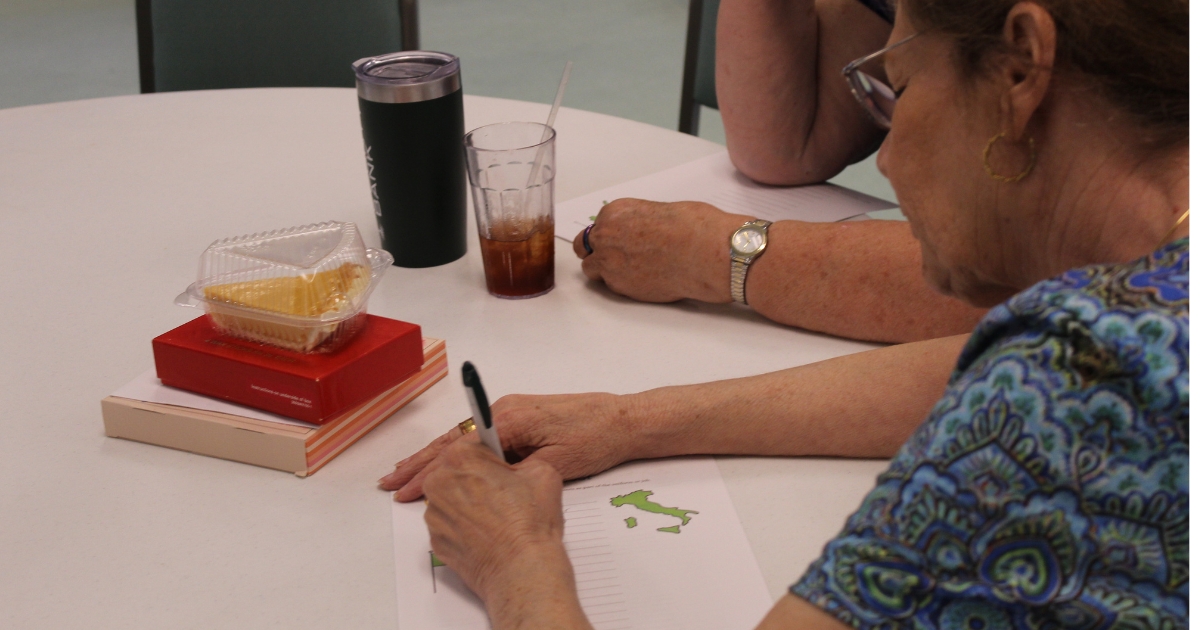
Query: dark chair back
pixel 210 44
pixel 699 64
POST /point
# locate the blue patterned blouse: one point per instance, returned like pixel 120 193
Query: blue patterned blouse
pixel 1049 486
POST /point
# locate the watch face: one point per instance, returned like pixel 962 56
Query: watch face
pixel 747 240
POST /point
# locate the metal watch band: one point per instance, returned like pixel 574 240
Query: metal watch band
pixel 739 266
pixel 737 279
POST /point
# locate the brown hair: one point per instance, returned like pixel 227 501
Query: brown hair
pixel 1135 52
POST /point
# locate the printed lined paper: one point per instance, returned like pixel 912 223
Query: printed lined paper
pixel 714 180
pixel 654 545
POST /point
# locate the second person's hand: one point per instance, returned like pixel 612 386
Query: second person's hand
pixel 661 252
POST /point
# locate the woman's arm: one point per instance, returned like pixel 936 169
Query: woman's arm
pixel 501 526
pixel 789 117
pixel 861 280
pixel 861 405
pixel 858 279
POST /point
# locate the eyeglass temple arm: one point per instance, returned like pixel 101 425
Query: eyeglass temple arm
pixel 854 65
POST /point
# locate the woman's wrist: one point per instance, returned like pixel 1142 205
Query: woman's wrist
pixel 535 589
pixel 665 421
pixel 708 249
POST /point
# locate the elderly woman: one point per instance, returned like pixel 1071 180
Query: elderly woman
pixel 1039 150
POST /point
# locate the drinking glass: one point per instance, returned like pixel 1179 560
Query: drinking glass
pixel 514 205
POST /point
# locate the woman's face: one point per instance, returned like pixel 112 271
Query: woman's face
pixel 933 158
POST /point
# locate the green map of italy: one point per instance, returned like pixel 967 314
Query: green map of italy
pixel 640 499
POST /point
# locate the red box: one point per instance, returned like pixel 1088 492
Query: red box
pixel 309 387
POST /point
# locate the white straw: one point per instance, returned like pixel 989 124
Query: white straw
pixel 562 87
pixel 537 160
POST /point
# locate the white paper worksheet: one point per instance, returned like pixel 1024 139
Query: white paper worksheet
pixel 655 545
pixel 713 179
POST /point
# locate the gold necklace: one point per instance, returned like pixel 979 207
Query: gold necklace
pixel 1183 217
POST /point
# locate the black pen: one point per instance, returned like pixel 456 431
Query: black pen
pixel 481 409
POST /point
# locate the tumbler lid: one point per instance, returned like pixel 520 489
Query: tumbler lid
pixel 407 77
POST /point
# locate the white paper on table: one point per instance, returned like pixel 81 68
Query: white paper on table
pixel 147 388
pixel 703 577
pixel 714 180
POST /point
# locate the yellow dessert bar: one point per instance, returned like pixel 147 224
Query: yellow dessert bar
pixel 310 295
pixel 304 296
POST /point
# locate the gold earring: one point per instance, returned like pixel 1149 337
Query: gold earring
pixel 987 154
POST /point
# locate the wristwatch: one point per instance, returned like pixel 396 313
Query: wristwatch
pixel 746 245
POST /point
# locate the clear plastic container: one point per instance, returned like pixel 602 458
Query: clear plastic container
pixel 304 288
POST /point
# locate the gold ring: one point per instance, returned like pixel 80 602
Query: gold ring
pixel 466 426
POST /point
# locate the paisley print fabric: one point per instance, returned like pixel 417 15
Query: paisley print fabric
pixel 1049 486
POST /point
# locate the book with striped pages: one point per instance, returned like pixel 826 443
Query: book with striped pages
pixel 155 414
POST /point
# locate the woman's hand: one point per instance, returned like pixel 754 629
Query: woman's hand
pixel 500 528
pixel 577 434
pixel 661 252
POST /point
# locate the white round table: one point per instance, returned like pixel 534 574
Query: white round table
pixel 106 205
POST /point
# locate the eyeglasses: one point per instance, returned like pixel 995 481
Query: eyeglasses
pixel 869 84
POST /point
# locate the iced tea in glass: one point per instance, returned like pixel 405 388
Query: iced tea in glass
pixel 514 206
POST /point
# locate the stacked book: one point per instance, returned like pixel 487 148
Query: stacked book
pixel 247 402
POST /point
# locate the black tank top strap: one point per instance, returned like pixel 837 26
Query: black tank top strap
pixel 884 8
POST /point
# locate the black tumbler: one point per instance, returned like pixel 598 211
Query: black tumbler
pixel 412 121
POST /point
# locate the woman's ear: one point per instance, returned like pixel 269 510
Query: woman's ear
pixel 1031 37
